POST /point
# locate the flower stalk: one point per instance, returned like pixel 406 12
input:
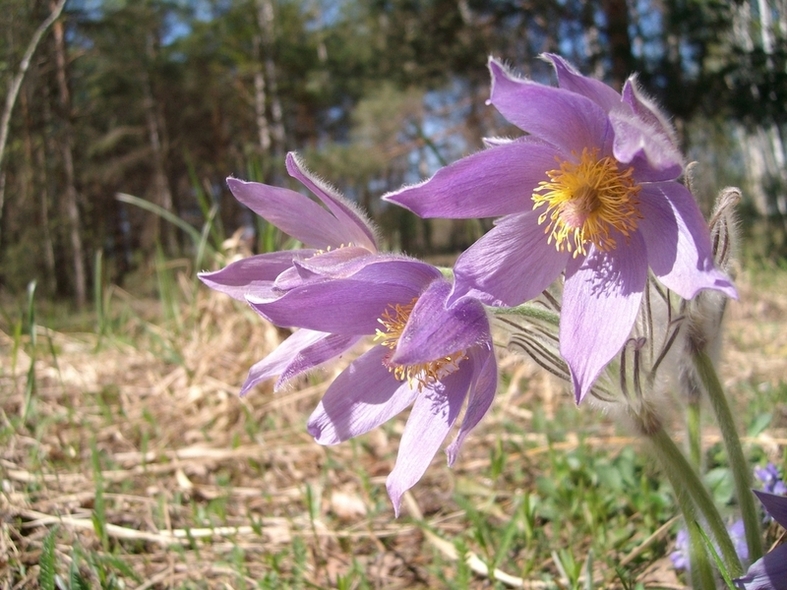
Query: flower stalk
pixel 738 464
pixel 686 483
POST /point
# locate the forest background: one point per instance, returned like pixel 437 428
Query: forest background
pixel 163 99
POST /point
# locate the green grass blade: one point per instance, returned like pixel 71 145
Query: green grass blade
pixel 46 579
pixel 161 212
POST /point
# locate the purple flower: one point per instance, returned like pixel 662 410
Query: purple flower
pixel 680 557
pixel 591 190
pixel 426 354
pixel 771 479
pixel 330 234
pixel 770 571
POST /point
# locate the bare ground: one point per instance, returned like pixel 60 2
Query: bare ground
pixel 200 488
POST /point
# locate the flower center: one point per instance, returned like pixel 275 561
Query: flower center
pixel 394 319
pixel 586 201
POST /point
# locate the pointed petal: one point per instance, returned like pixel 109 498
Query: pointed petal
pixel 678 242
pixel 293 213
pixel 648 110
pixel 767 573
pixel 775 505
pixel 434 331
pixel 361 398
pixel 302 351
pixel 511 264
pixel 494 182
pixel 319 353
pixel 355 226
pixel 601 298
pixel 482 393
pixel 253 275
pixel 430 420
pixel 565 119
pixel 567 77
pixel 338 263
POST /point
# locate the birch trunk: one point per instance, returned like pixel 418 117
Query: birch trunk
pixel 265 19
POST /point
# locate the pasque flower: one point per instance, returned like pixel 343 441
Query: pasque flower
pixel 591 191
pixel 770 571
pixel 332 235
pixel 424 353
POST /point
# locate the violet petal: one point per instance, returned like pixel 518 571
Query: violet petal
pixel 277 362
pixel 565 119
pixel 775 505
pixel 293 213
pixel 350 305
pixel 767 573
pixel 567 77
pixel 355 226
pixel 601 298
pixel 434 331
pixel 361 398
pixel 433 414
pixel 654 155
pixel 679 249
pixel 488 269
pixel 482 393
pixel 490 183
pixel 252 275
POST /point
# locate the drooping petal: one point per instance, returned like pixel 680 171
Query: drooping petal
pixel 253 275
pixel 511 264
pixel 601 298
pixel 653 155
pixel 361 398
pixel 293 213
pixel 350 305
pixel 565 119
pixel 568 78
pixel 354 225
pixel 292 357
pixel 775 505
pixel 767 573
pixel 341 306
pixel 679 249
pixel 494 182
pixel 482 393
pixel 430 421
pixel 434 331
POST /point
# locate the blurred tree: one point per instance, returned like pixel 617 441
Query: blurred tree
pixel 165 98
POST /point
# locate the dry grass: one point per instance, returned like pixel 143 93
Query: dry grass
pixel 137 449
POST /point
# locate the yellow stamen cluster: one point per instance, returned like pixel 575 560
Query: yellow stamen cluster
pixel 394 319
pixel 585 200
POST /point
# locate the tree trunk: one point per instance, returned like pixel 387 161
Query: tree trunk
pixel 263 128
pixel 67 151
pixel 156 135
pixel 616 12
pixel 265 19
pixel 15 85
